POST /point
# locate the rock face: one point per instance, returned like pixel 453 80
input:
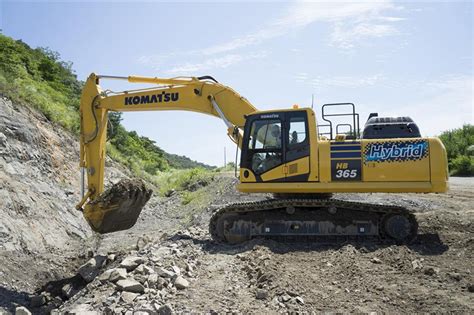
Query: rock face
pixel 39 187
pixel 39 183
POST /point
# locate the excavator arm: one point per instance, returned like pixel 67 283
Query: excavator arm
pixel 119 207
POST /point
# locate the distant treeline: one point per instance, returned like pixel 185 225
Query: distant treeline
pixel 39 78
pixel 459 145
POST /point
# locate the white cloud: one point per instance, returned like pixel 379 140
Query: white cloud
pixel 345 36
pixel 319 82
pixel 302 14
pixel 213 63
pixel 351 21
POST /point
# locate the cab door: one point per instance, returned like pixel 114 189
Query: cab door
pixel 297 146
pixel 263 148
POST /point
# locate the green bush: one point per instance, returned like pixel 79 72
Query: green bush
pixel 462 166
pixel 457 143
pixel 36 77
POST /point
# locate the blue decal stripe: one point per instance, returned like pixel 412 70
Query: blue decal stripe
pixel 345 154
pixel 342 143
pixel 346 148
pixel 347 159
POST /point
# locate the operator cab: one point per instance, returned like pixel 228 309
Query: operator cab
pixel 272 139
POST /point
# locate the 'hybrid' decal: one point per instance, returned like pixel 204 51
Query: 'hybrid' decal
pixel 398 151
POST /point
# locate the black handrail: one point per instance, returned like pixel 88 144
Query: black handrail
pixel 355 118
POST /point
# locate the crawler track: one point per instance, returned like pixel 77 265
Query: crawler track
pixel 328 219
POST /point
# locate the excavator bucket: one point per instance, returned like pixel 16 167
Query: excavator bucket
pixel 118 207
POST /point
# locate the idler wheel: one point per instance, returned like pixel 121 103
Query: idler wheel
pixel 399 227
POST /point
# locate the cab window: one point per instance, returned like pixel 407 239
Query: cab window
pixel 265 134
pixel 265 145
pixel 297 133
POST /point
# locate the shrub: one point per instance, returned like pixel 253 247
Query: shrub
pixel 184 180
pixel 462 166
pixel 458 142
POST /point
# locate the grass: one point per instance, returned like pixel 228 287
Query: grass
pixel 183 180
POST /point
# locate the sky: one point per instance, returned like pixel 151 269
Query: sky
pixel 397 58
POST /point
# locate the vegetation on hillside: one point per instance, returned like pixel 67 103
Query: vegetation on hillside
pixel 183 162
pixel 39 78
pixel 459 145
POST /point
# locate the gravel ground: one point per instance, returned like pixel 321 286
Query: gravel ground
pixel 183 270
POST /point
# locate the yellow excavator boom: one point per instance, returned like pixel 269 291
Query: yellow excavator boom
pixel 202 95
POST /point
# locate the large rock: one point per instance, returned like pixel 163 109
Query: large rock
pixel 166 273
pixel 83 309
pixel 118 274
pixel 181 283
pixel 91 269
pixel 37 300
pixel 68 290
pixel 130 286
pixel 131 262
pixel 144 269
pixel 165 310
pixel 128 297
pixel 105 275
pixel 261 294
pixel 22 311
pixel 154 281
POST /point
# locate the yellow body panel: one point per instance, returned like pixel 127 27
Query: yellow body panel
pixel 298 167
pixel 250 178
pixel 314 161
pixel 276 173
pixel 359 187
pixel 324 162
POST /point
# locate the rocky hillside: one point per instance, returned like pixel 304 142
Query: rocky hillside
pixel 39 182
pixel 39 186
pixel 39 79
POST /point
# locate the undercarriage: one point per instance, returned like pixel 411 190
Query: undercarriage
pixel 328 219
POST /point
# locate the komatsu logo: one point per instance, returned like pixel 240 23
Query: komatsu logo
pixel 153 98
pixel 398 151
pixel 269 116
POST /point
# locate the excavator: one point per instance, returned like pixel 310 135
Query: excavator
pixel 283 152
